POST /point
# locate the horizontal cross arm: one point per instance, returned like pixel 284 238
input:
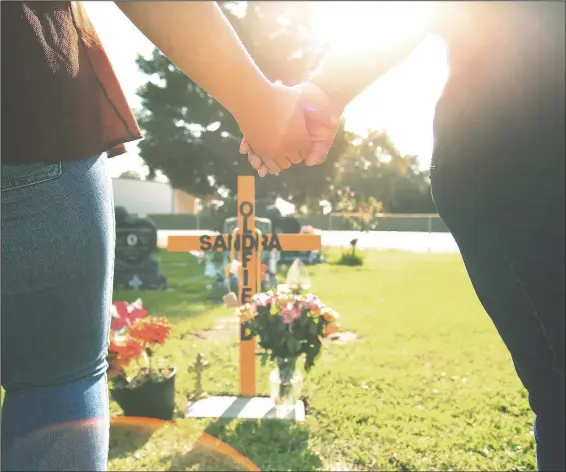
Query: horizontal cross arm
pixel 288 242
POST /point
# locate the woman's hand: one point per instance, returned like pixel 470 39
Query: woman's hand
pixel 274 127
pixel 321 119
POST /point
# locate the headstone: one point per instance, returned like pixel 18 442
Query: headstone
pixel 291 225
pixel 210 268
pixel 136 241
pixel 269 258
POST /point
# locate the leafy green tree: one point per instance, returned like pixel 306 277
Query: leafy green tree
pixel 374 167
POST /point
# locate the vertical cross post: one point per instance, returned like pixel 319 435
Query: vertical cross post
pixel 247 277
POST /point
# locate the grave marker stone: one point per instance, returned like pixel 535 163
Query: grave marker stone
pixel 136 240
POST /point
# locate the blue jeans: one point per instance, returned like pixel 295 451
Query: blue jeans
pixel 504 204
pixel 57 268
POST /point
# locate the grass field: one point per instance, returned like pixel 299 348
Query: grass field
pixel 429 386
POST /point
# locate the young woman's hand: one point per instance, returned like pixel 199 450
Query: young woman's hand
pixel 275 128
pixel 321 118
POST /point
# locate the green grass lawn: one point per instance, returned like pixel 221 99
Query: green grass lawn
pixel 429 386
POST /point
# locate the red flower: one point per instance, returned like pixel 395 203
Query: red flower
pixel 132 333
pixel 124 349
pixel 150 330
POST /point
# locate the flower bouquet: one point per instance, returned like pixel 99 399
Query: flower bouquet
pixel 137 385
pixel 287 326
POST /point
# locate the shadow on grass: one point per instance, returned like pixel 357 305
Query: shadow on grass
pixel 269 444
pixel 124 440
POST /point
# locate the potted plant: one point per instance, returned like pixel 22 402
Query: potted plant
pixel 137 384
pixel 288 325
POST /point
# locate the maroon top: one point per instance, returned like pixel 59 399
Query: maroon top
pixel 60 97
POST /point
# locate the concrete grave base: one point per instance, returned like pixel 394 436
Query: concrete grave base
pixel 241 407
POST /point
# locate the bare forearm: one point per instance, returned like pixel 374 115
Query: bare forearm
pixel 344 76
pixel 199 40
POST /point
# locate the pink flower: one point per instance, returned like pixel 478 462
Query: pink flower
pixel 136 310
pixel 261 299
pixel 124 314
pixel 290 312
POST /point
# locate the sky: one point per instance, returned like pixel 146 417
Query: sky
pixel 401 102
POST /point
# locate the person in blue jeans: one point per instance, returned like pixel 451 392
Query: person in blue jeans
pixel 63 115
pixel 497 172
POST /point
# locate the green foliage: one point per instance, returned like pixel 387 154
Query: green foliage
pixel 350 259
pixel 372 167
pixel 217 214
pixel 361 212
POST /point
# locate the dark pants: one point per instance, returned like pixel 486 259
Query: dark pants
pixel 504 205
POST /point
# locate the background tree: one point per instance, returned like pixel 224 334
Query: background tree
pixel 194 141
pixel 374 167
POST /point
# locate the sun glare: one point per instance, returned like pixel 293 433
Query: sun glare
pixel 402 101
pixel 351 24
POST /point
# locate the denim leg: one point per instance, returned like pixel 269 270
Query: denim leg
pixel 57 265
pixel 511 238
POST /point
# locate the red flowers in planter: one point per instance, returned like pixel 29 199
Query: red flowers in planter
pixel 134 334
pixel 121 352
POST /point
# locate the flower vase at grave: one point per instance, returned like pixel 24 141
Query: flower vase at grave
pixel 286 383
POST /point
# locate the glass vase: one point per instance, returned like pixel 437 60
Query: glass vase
pixel 286 384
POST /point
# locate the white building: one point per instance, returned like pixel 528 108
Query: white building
pixel 145 196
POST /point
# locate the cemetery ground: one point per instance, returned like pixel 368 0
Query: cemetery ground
pixel 428 386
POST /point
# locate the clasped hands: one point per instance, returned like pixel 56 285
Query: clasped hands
pixel 289 125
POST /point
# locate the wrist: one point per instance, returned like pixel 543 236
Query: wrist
pixel 336 97
pixel 255 94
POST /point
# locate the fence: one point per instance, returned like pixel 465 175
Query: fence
pixel 422 223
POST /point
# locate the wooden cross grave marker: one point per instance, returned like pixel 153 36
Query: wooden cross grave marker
pixel 198 368
pixel 247 243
